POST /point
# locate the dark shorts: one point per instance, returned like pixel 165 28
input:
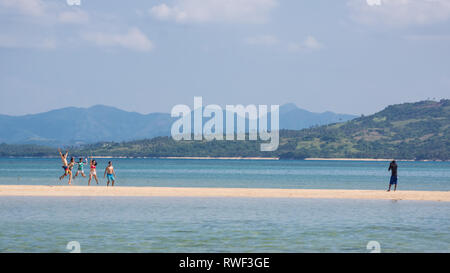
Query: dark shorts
pixel 393 180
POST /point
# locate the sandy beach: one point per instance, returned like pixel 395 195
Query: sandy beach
pixel 61 191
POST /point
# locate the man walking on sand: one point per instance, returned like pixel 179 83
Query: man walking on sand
pixel 393 168
pixel 110 174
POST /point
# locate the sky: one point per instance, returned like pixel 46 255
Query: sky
pixel 345 56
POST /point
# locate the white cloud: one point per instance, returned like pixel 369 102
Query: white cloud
pixel 45 13
pixel 38 18
pixel 162 12
pixel 267 40
pixel 373 2
pixel 26 7
pixel 200 11
pixel 134 39
pixel 400 12
pixel 310 43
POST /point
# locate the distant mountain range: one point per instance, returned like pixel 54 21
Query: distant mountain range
pixel 76 126
pixel 415 131
pixel 72 126
pixel 294 118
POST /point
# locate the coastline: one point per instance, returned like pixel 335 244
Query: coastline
pixel 221 158
pixel 242 158
pixel 97 191
pixel 354 159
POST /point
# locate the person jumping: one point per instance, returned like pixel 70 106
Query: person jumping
pixel 80 169
pixel 64 161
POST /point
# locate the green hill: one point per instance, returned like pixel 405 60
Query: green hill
pixel 416 131
pixel 406 131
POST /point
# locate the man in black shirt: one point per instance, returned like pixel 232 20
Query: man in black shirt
pixel 393 167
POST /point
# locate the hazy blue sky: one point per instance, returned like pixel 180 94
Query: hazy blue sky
pixel 348 56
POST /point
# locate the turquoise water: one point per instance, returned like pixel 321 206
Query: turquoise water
pixel 123 224
pixel 126 224
pixel 239 173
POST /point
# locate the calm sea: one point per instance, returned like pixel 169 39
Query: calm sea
pixel 239 173
pixel 126 224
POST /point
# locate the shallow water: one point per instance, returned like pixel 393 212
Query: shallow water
pixel 127 224
pixel 239 173
pixel 123 224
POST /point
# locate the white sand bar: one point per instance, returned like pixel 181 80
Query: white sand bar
pixel 26 190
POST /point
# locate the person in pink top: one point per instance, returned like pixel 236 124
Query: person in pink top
pixel 93 171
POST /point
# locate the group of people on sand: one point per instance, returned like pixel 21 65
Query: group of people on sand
pixel 109 173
